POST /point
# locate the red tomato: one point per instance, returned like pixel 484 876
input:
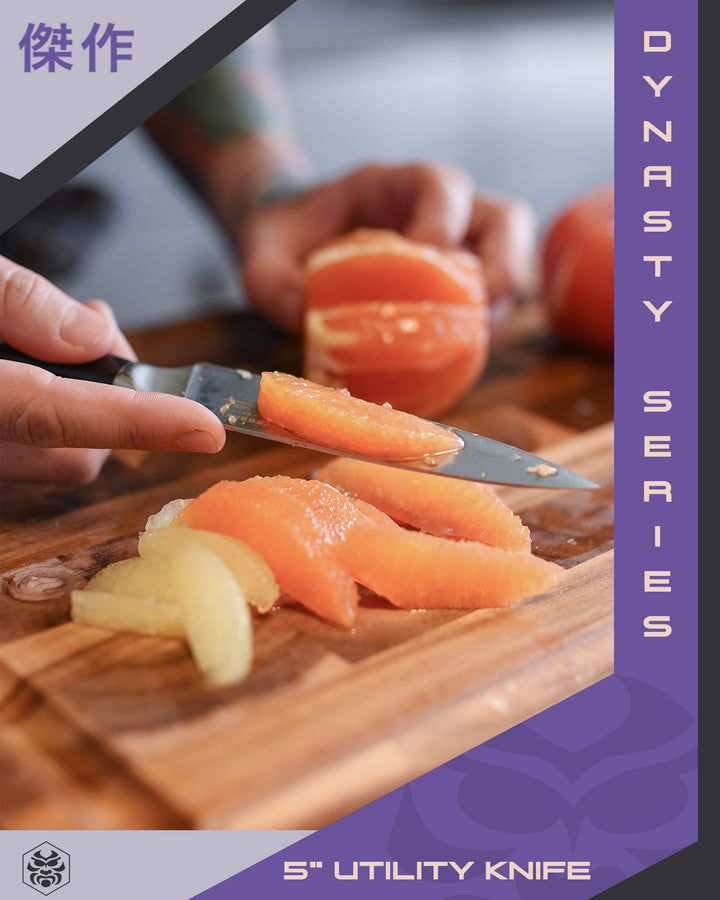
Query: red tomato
pixel 578 272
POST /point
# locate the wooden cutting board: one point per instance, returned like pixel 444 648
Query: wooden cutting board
pixel 109 730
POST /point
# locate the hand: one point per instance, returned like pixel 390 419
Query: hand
pixel 433 203
pixel 45 418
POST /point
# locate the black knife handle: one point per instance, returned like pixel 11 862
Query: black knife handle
pixel 102 370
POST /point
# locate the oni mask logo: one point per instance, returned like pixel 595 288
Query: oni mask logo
pixel 46 868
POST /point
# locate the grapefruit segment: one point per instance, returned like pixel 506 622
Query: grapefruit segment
pixel 127 612
pixel 251 571
pixel 319 543
pixel 333 418
pixel 446 507
pixel 380 264
pixel 179 587
pixel 419 356
pixel 413 570
pixel 272 516
pixel 423 335
pixel 215 615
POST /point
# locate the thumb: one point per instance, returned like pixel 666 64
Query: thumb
pixel 39 319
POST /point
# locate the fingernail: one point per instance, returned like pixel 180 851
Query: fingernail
pixel 81 327
pixel 197 442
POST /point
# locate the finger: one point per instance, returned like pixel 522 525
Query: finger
pixel 47 411
pixel 120 345
pixel 503 234
pixel 19 462
pixel 441 205
pixel 39 319
pixel 429 202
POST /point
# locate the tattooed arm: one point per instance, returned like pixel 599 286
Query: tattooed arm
pixel 232 135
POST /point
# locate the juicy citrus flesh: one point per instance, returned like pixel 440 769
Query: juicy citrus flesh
pixel 259 586
pixel 166 515
pixel 447 507
pixel 418 356
pixel 379 264
pixel 215 614
pixel 180 587
pixel 320 543
pixel 275 517
pixel 136 576
pixel 334 418
pixel 422 334
pixel 126 612
pixel 382 310
pixel 414 570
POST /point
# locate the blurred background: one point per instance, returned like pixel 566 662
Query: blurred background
pixel 518 92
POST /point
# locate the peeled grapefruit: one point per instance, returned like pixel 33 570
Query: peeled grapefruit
pixel 380 264
pixel 414 355
pixel 395 321
pixel 578 270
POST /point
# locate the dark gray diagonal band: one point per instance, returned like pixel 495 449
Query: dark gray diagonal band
pixel 20 196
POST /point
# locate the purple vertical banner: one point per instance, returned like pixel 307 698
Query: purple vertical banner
pixel 656 340
pixel 656 343
pixel 602 786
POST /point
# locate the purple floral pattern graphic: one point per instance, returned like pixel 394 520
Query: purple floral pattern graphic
pixel 605 778
pixel 623 799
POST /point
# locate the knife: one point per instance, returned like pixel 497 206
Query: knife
pixel 231 394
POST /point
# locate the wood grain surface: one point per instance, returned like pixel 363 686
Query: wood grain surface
pixel 108 730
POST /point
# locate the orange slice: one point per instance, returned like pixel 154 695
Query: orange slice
pixel 395 321
pixel 333 418
pixel 448 507
pixel 274 516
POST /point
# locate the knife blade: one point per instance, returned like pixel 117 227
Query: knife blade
pixel 232 394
